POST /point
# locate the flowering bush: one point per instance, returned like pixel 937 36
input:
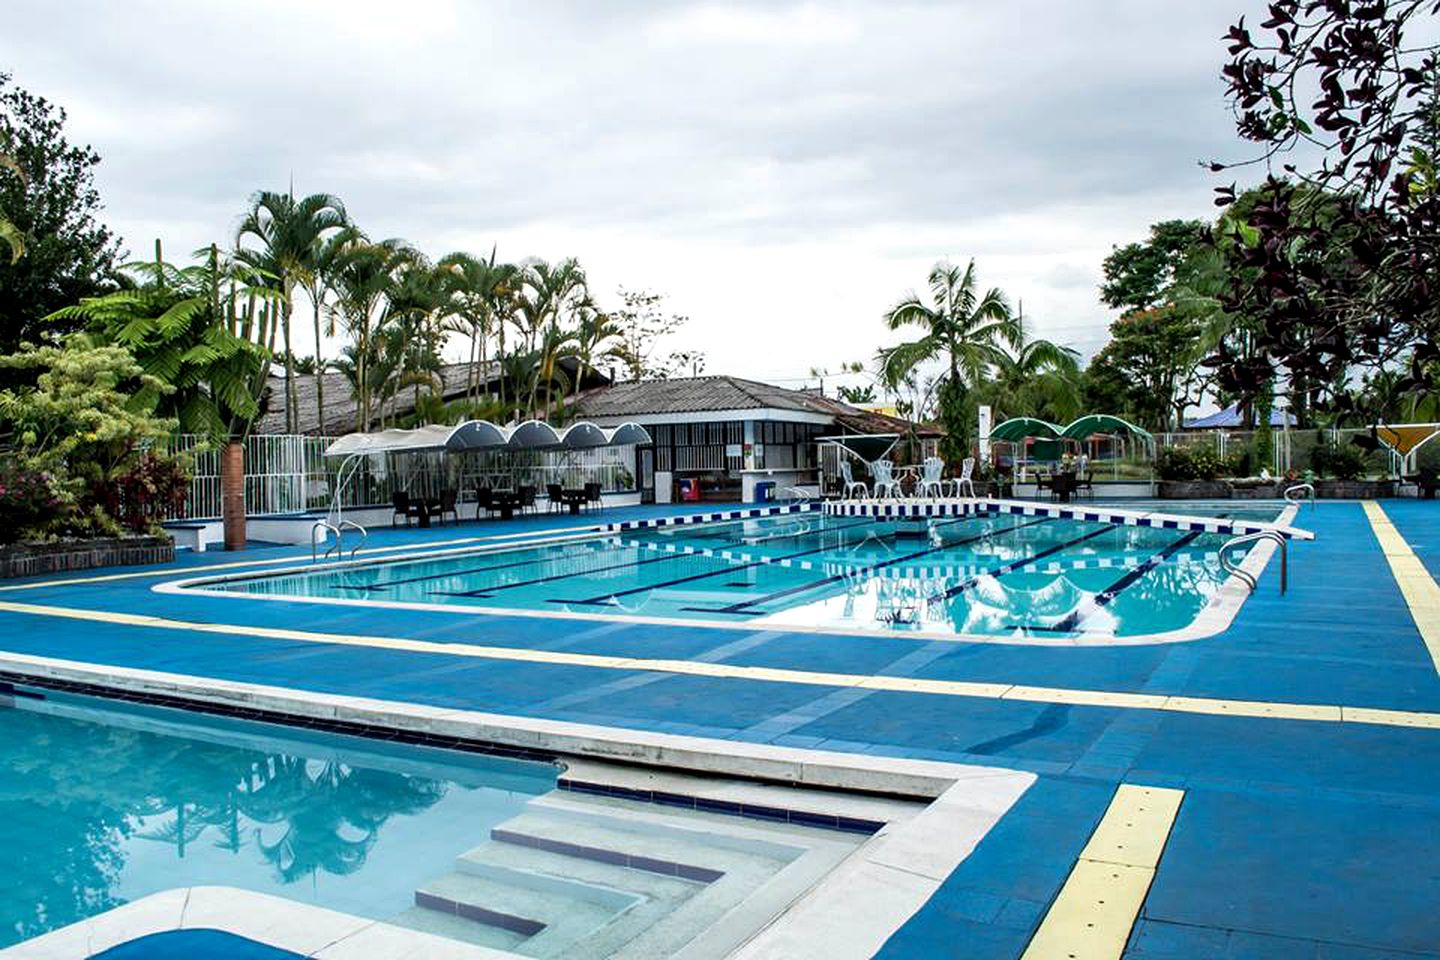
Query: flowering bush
pixel 141 495
pixel 31 501
pixel 1194 463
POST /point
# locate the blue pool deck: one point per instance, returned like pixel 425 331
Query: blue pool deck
pixel 1299 835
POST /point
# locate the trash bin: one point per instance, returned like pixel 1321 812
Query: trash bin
pixel 690 489
pixel 764 491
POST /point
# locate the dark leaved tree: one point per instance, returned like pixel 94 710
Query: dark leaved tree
pixel 54 208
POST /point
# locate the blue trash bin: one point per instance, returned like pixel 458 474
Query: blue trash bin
pixel 765 491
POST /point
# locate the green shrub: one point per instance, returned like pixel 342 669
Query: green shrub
pixel 31 501
pixel 1339 461
pixel 1192 464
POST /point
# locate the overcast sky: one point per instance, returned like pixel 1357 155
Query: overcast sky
pixel 782 172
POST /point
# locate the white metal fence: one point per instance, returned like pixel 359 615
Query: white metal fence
pixel 290 473
pixel 1291 450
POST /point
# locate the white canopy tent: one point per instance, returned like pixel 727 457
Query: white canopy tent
pixel 484 435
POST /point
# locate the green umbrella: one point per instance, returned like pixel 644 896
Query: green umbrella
pixel 1101 423
pixel 1018 428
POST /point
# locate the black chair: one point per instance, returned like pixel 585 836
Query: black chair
pixel 1085 481
pixel 400 501
pixel 592 496
pixel 484 500
pixel 448 504
pixel 527 498
pixel 556 496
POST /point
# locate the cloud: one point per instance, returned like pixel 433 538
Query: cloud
pixel 783 171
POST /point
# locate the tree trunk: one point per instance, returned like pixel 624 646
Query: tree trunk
pixel 319 379
pixel 232 494
pixel 289 368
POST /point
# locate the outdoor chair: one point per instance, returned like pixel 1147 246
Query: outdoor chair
pixel 448 504
pixel 1084 479
pixel 527 498
pixel 847 476
pixel 930 484
pixel 592 496
pixel 404 507
pixel 885 483
pixel 484 500
pixel 554 494
pixel 965 483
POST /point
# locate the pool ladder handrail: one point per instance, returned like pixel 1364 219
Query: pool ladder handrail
pixel 1245 576
pixel 339 530
pixel 1293 494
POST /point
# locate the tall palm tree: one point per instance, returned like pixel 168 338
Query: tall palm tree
pixel 362 279
pixel 552 296
pixel 8 231
pixel 478 292
pixel 596 337
pixel 289 233
pixel 317 282
pixel 960 328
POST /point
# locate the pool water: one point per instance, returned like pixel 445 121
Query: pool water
pixel 1007 576
pixel 103 803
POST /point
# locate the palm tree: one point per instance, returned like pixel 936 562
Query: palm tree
pixel 363 276
pixel 960 328
pixel 1037 378
pixel 553 295
pixel 479 293
pixel 289 233
pixel 317 282
pixel 596 337
pixel 8 231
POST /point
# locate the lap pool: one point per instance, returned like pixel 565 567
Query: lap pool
pixel 989 575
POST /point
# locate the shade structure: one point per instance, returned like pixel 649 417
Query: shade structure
pixel 1101 423
pixel 484 435
pixel 1019 428
pixel 869 447
pixel 1405 437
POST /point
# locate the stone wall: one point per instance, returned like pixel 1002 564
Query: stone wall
pixel 34 559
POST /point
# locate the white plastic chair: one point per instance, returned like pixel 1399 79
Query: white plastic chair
pixel 966 481
pixel 885 483
pixel 930 484
pixel 851 484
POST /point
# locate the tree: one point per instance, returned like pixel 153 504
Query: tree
pixel 961 329
pixel 480 293
pixel 1355 286
pixel 641 324
pixel 317 281
pixel 1149 363
pixel 184 326
pixel 290 234
pixel 1035 378
pixel 52 210
pixel 1139 276
pixel 363 278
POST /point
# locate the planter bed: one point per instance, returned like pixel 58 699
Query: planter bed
pixel 1194 490
pixel 34 558
pixel 1354 489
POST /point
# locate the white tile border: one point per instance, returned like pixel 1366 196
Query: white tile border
pixel 966 802
pixel 1215 617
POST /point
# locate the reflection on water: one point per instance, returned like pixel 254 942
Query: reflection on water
pixel 98 807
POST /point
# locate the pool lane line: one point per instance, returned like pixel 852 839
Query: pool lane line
pixel 749 607
pixel 723 571
pixel 458 573
pixel 993 690
pixel 1014 565
pixel 1074 618
pixel 486 591
pixel 1421 592
pixel 173 571
pixel 1095 911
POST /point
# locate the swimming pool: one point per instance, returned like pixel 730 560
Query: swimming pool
pixel 102 803
pixel 995 575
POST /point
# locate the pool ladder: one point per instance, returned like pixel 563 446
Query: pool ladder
pixel 1246 576
pixel 338 529
pixel 1294 494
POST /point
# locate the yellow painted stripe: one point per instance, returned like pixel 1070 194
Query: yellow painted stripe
pixel 1421 592
pixel 1322 713
pixel 1095 910
pixel 500 538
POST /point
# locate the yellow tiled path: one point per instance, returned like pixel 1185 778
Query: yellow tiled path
pixel 1095 910
pixel 1422 593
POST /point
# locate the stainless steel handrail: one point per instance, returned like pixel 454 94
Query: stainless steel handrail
pixel 1245 576
pixel 1298 489
pixel 339 530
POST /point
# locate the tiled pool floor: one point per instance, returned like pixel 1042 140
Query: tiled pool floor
pixel 1299 836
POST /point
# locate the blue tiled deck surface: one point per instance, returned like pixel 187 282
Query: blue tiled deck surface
pixel 1295 839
